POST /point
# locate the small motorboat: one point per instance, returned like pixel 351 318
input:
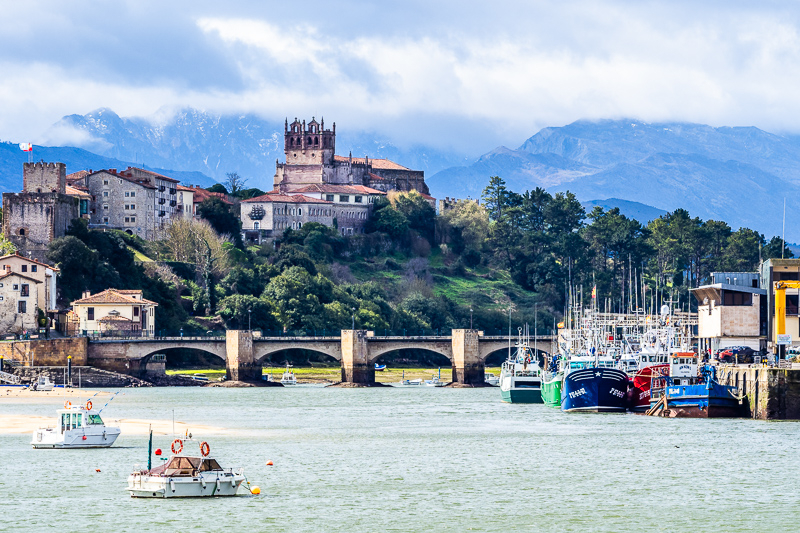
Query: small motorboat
pixel 186 475
pixel 76 427
pixel 379 368
pixel 435 381
pixel 43 383
pixel 409 382
pixel 288 377
pixel 491 379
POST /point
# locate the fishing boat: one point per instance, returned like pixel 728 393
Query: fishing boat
pixel 520 375
pixel 687 393
pixel 435 381
pixel 185 475
pixel 490 379
pixel 43 384
pixel 409 382
pixel 379 368
pixel 592 384
pixel 288 377
pixel 551 382
pixel 77 426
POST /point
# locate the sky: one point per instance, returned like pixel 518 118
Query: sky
pixel 461 75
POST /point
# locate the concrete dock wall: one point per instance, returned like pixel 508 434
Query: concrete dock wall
pixel 770 393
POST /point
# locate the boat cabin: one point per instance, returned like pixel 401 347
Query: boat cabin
pixel 181 466
pixel 77 418
pixel 683 368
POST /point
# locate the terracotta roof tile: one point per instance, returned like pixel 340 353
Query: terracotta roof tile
pixel 29 260
pixel 111 296
pixel 384 164
pixel 154 174
pixel 73 191
pixel 287 198
pixel 329 188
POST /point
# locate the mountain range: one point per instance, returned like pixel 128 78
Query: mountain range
pixel 740 175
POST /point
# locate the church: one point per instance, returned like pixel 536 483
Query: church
pixel 316 185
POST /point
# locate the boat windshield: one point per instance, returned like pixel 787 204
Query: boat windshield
pixel 94 420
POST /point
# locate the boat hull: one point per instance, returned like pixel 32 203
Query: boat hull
pixel 595 390
pixel 698 401
pixel 204 485
pixel 522 395
pixel 551 391
pixel 52 439
pixel 642 381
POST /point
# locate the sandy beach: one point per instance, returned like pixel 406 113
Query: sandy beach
pixel 47 396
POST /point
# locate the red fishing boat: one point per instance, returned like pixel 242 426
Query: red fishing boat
pixel 642 381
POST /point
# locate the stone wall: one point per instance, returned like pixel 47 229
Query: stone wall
pixel 770 393
pixel 82 376
pixel 44 177
pixel 53 352
pixel 32 220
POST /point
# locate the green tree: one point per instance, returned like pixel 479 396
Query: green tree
pixel 390 221
pixel 418 212
pixel 221 218
pixel 742 252
pixel 241 311
pixel 218 187
pixel 772 250
pixel 234 183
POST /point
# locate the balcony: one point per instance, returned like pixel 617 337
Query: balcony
pixel 162 213
pixel 173 203
pixel 162 201
pixel 173 191
pixel 162 188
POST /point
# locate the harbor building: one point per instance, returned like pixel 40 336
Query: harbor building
pixel 116 311
pixel 19 294
pixel 731 311
pixel 42 212
pixel 41 272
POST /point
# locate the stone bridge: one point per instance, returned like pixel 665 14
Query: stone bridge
pixel 358 350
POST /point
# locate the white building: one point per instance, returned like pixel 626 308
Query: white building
pixel 123 312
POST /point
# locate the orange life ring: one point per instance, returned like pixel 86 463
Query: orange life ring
pixel 67 404
pixel 89 405
pixel 179 442
pixel 205 449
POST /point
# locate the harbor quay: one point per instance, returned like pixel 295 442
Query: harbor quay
pixel 244 353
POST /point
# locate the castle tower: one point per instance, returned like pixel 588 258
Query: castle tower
pixel 309 144
pixel 44 177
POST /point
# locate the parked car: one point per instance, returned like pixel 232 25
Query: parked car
pixel 737 354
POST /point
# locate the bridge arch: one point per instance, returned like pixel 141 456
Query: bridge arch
pixel 264 353
pixel 377 350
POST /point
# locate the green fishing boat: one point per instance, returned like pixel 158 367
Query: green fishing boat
pixel 551 389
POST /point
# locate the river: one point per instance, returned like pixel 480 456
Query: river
pixel 403 459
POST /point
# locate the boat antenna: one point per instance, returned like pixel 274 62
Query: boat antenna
pixel 173 421
pixel 150 450
pixel 783 234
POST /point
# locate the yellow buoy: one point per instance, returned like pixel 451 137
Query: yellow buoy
pixel 255 490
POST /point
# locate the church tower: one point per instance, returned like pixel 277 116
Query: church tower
pixel 309 144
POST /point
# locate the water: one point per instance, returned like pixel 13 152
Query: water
pixel 415 460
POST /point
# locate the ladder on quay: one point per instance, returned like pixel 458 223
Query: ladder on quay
pixel 9 378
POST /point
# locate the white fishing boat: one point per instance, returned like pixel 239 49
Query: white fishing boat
pixel 43 384
pixel 520 376
pixel 77 426
pixel 409 382
pixel 491 379
pixel 186 475
pixel 288 377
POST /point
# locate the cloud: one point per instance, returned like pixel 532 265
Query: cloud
pixel 492 74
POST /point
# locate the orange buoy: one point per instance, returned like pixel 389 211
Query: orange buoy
pixel 255 490
pixel 89 405
pixel 67 404
pixel 205 449
pixel 96 469
pixel 269 463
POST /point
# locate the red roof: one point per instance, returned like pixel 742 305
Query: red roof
pixel 201 194
pixel 28 259
pixel 113 296
pixel 329 188
pixel 385 164
pixel 116 174
pixel 287 198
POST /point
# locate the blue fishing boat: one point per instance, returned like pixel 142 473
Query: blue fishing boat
pixel 593 384
pixel 379 368
pixel 687 393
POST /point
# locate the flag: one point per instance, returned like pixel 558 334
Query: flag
pixel 594 291
pixel 26 147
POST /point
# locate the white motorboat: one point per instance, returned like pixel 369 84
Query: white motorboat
pixel 43 383
pixel 434 382
pixel 77 426
pixel 491 379
pixel 189 475
pixel 288 377
pixel 409 382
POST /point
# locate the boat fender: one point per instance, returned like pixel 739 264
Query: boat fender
pixel 205 449
pixel 67 404
pixel 179 444
pixel 89 405
pixel 172 485
pixel 104 435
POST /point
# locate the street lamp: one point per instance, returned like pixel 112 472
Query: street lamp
pixel 470 318
pixel 181 332
pixel 354 318
pixel 249 317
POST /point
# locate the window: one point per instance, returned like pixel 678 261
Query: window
pixel 135 311
pixel 105 207
pixel 255 225
pixel 133 194
pixel 344 198
pixel 105 194
pixel 25 290
pixel 127 219
pixel 22 231
pixel 105 182
pixel 90 313
pixel 358 199
pixel 738 298
pixel 329 197
pixel 300 211
pixel 33 268
pixel 15 287
pixel 24 268
pixel 133 219
pixel 105 220
pixel 22 306
pixel 127 194
pixel 2 298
